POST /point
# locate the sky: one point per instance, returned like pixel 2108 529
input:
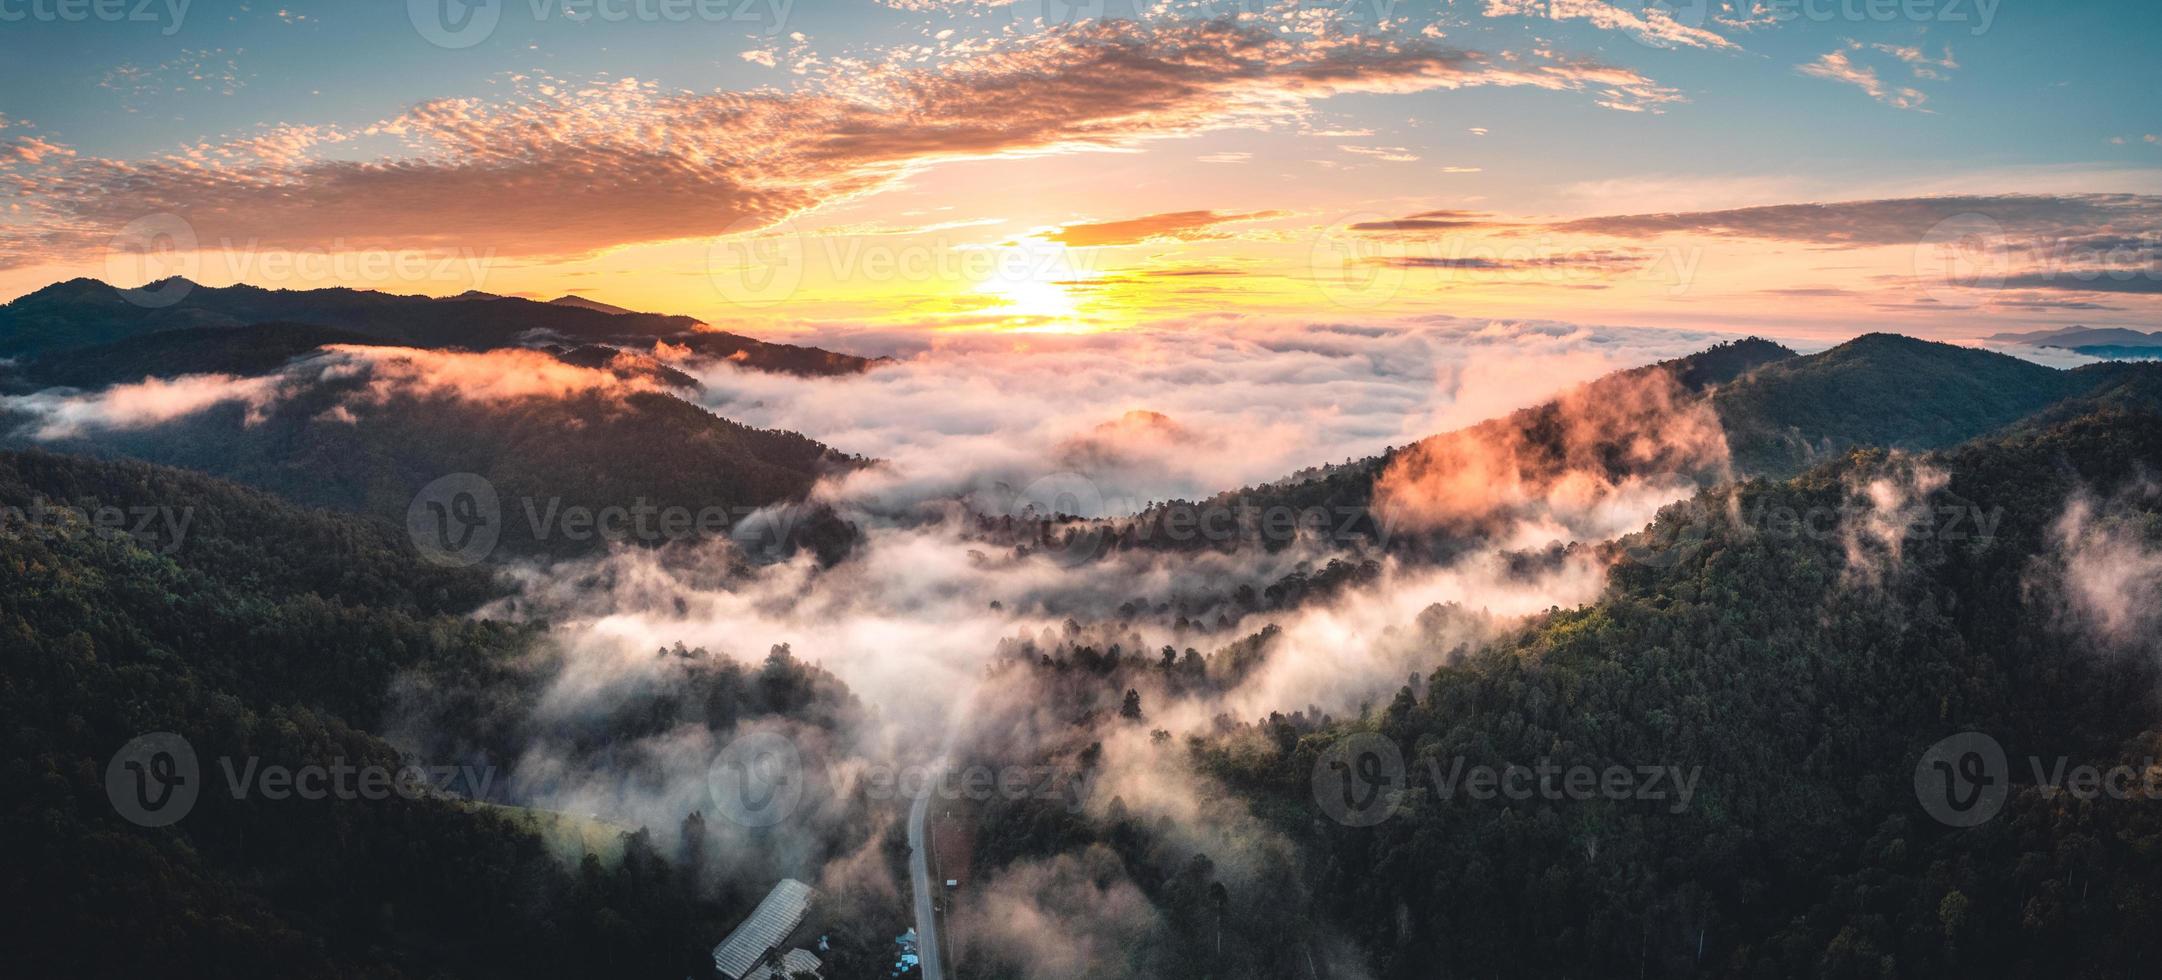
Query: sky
pixel 1800 168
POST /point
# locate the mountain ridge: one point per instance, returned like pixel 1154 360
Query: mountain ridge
pixel 84 312
pixel 1781 413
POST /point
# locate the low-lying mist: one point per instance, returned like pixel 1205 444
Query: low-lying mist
pixel 943 635
pixel 942 631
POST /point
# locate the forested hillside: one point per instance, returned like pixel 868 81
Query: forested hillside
pixel 1803 674
pixel 1778 412
pixel 267 634
pixel 338 443
pixel 246 351
pixel 1880 390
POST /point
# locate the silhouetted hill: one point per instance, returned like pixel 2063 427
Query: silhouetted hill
pixel 590 304
pixel 86 313
pixel 258 349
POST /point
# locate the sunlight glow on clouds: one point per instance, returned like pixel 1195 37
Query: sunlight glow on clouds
pixel 624 161
pixel 1193 157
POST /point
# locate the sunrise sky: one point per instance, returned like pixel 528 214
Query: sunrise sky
pixel 1806 168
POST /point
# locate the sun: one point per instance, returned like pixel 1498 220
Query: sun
pixel 1035 282
pixel 1034 298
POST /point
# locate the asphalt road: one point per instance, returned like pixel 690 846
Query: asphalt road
pixel 919 868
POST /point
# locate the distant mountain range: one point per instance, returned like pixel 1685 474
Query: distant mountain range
pixel 82 313
pixel 2104 342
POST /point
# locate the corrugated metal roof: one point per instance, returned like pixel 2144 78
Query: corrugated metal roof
pixel 777 915
pixel 792 962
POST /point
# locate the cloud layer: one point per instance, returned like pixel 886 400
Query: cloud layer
pixel 623 161
pixel 376 374
pixel 1234 403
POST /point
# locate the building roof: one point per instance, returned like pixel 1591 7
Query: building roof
pixel 792 962
pixel 777 915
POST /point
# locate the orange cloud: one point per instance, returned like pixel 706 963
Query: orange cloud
pixel 64 414
pixel 1173 225
pixel 625 162
pixel 493 376
pixel 380 373
pixel 1596 446
pixel 1652 25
